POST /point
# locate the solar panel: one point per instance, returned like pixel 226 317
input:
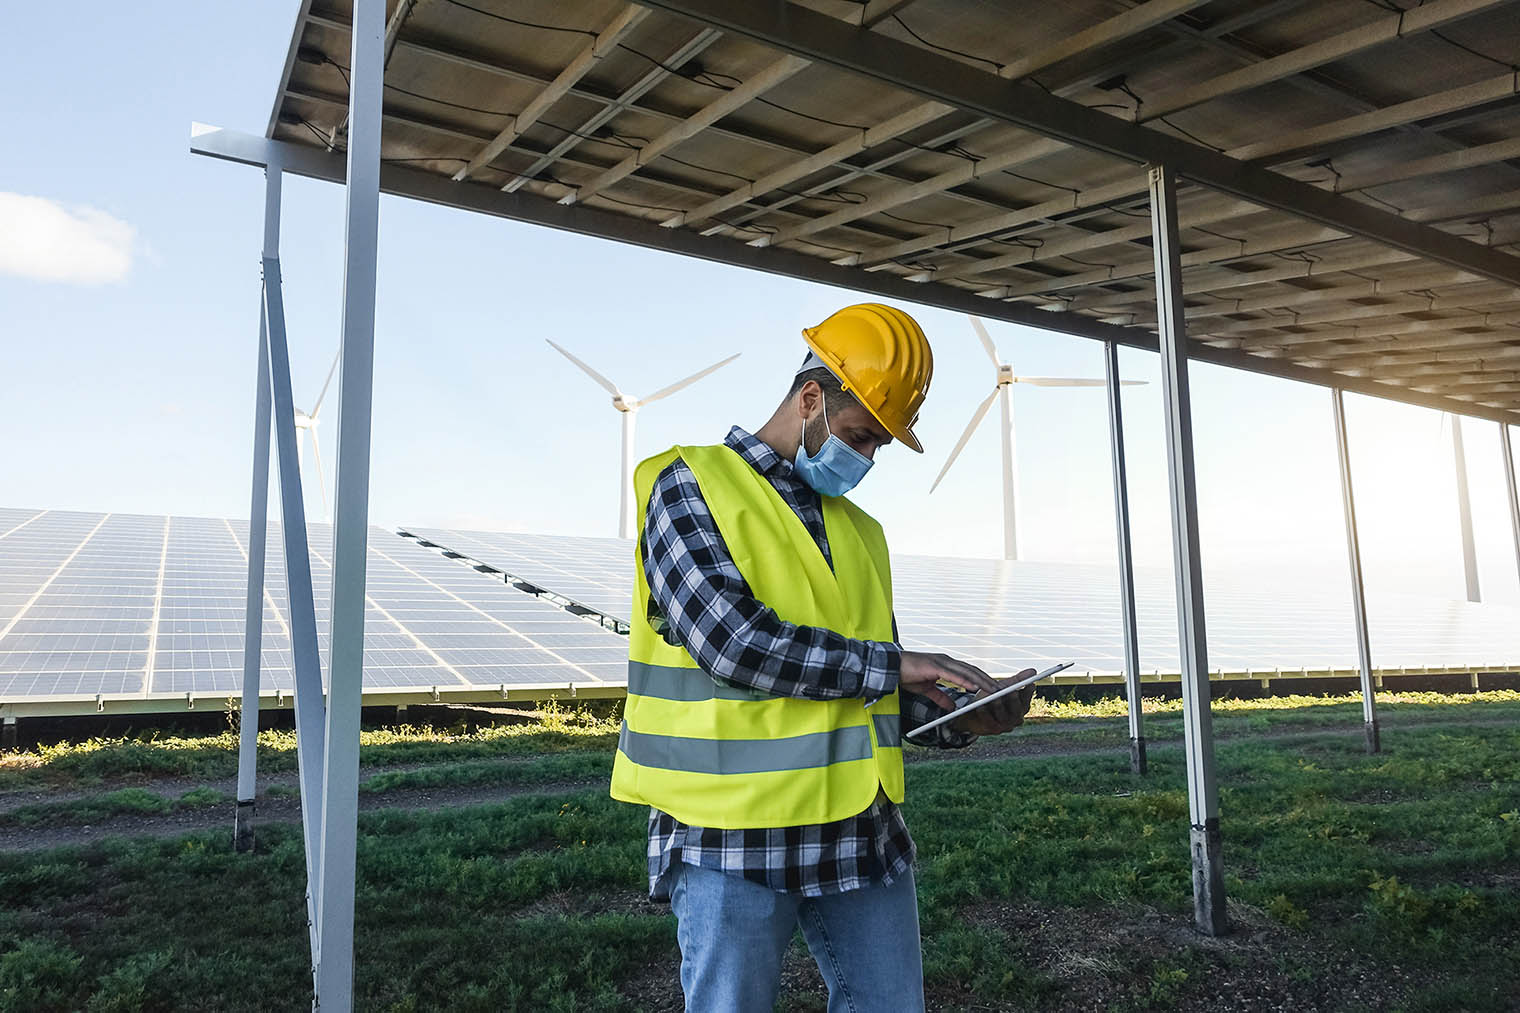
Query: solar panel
pixel 595 573
pixel 1004 616
pixel 137 607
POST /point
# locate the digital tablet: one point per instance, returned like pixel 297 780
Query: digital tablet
pixel 982 702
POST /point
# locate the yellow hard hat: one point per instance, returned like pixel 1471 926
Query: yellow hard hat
pixel 881 356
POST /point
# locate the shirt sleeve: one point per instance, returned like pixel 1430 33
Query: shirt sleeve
pixel 700 601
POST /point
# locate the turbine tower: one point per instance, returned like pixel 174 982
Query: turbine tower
pixel 629 406
pixel 1005 379
pixel 307 421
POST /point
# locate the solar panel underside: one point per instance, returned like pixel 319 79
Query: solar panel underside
pixel 1004 615
pixel 134 606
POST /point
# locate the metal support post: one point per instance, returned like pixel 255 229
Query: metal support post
pixel 8 733
pixel 1197 722
pixel 1126 563
pixel 258 524
pixel 1354 551
pixel 340 792
pixel 1509 484
pixel 303 616
pixel 1464 512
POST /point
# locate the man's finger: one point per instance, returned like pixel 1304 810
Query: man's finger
pixel 980 679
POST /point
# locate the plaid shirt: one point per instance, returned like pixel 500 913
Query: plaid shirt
pixel 699 600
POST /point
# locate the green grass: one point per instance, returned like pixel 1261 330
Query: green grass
pixel 152 755
pixel 126 801
pixel 1405 862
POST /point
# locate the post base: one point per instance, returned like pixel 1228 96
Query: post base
pixel 1208 880
pixel 1370 730
pixel 1137 755
pixel 242 826
pixel 8 734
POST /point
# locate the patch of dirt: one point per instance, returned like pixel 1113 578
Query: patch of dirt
pixel 1105 959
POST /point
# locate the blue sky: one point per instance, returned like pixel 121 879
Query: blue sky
pixel 135 394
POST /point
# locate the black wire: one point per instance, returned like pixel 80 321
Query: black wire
pixel 946 49
pixel 524 24
pixel 1387 204
pixel 1466 48
pixel 418 95
pixel 1220 235
pixel 1031 179
pixel 1086 263
pixel 1189 134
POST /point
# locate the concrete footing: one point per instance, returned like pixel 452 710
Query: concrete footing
pixel 1208 880
pixel 242 827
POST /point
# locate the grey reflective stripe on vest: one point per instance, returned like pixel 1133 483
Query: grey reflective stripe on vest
pixel 686 685
pixel 745 756
pixel 888 729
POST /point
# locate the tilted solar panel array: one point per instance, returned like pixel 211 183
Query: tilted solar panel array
pixel 1005 616
pixel 593 572
pixel 130 607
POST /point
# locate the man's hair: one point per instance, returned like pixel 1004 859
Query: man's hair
pixel 834 396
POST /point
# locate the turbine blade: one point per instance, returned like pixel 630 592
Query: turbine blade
pixel 981 332
pixel 1059 381
pixel 976 419
pixel 326 383
pixel 693 378
pixel 605 383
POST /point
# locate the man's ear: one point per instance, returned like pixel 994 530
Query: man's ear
pixel 808 398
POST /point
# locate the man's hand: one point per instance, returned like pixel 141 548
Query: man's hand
pixel 921 674
pixel 1001 716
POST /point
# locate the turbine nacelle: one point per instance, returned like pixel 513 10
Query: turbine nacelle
pixel 1005 374
pixel 624 403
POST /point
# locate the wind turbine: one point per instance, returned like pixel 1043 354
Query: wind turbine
pixel 307 421
pixel 629 406
pixel 1006 378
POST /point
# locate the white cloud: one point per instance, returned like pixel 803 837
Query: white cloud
pixel 47 241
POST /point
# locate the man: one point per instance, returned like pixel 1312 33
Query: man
pixel 767 694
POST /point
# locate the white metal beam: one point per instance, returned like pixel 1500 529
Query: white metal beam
pixel 1197 724
pixel 1464 512
pixel 1354 555
pixel 258 526
pixel 1131 630
pixel 340 768
pixel 1510 487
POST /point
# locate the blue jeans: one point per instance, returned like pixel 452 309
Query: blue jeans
pixel 733 933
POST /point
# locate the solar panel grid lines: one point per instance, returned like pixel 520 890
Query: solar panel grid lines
pixel 408 639
pixel 120 586
pixel 1004 616
pixel 592 572
pixel 476 655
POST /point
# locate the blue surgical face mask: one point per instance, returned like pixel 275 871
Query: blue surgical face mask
pixel 836 468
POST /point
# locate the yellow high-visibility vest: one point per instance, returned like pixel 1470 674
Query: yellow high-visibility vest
pixel 713 754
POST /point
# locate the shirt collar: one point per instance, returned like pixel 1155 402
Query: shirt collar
pixel 757 453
